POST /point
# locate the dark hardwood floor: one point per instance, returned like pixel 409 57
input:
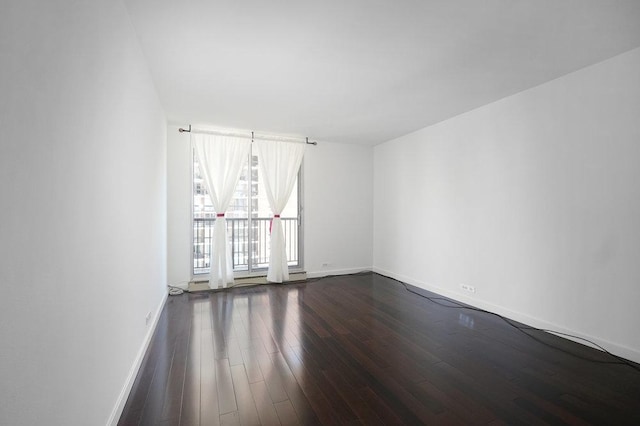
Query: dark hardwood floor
pixel 363 350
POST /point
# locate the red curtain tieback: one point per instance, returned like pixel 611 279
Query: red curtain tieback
pixel 271 223
pixel 220 215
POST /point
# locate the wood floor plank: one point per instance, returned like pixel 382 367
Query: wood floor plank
pixel 266 410
pixel 210 383
pixel 230 419
pixel 362 349
pixel 311 389
pixel 190 409
pixel 272 378
pixel 251 365
pixel 286 413
pixel 226 391
pixel 155 398
pixel 379 406
pixel 352 397
pixel 172 405
pixel 246 404
pixel 297 397
pixel 234 353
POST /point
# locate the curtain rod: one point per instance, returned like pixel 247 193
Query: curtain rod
pixel 248 136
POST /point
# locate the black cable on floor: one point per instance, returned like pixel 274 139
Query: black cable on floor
pixel 523 329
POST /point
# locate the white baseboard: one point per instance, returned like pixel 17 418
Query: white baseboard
pixel 324 272
pixel 133 372
pixel 614 348
pixel 196 286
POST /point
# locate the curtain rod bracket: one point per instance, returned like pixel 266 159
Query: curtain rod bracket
pixel 311 143
pixel 181 130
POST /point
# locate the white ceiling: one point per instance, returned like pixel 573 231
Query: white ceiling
pixel 365 71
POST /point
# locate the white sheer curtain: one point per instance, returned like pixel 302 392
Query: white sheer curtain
pixel 279 164
pixel 221 159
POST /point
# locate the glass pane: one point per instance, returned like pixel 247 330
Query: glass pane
pixel 202 207
pixel 291 209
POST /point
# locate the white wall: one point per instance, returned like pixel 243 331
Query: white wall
pixel 178 206
pixel 534 200
pixel 338 199
pixel 83 216
pixel 338 193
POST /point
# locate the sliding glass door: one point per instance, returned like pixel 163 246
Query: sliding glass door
pixel 248 223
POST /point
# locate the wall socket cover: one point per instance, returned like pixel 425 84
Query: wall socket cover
pixel 469 288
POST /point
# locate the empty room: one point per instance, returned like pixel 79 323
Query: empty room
pixel 319 213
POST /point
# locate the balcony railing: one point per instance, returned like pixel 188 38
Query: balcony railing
pixel 248 248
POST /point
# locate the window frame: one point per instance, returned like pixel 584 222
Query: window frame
pixel 250 272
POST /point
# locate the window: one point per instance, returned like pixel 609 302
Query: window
pixel 248 223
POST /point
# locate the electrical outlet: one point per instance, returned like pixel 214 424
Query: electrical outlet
pixel 147 318
pixel 325 264
pixel 469 288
